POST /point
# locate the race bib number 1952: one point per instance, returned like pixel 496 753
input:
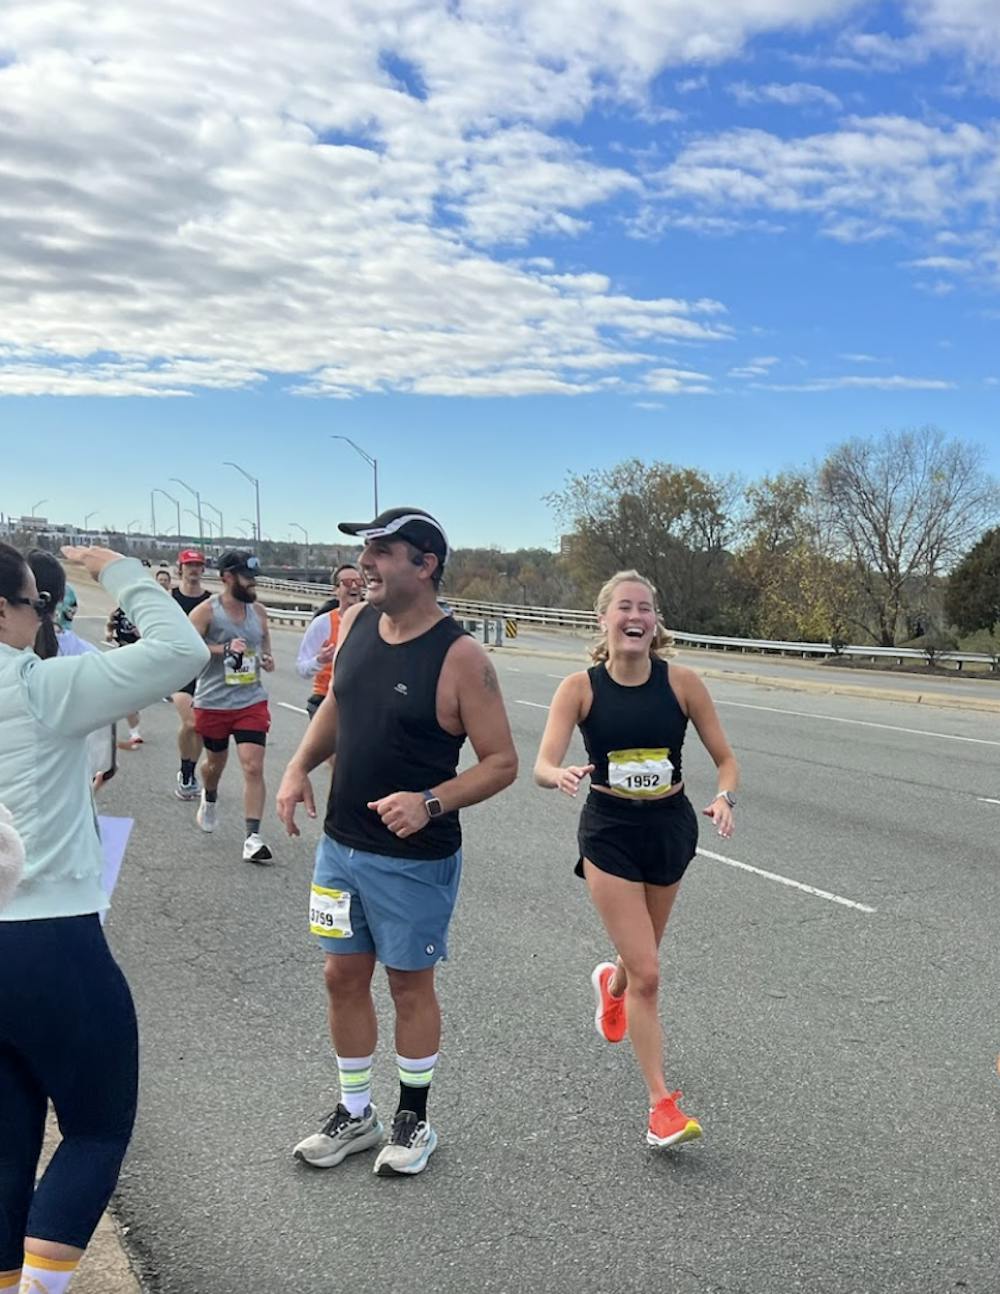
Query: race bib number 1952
pixel 330 913
pixel 642 773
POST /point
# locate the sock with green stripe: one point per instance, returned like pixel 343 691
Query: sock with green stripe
pixel 414 1083
pixel 355 1083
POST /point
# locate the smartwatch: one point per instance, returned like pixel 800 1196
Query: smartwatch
pixel 433 805
pixel 729 798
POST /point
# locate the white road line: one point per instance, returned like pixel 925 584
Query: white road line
pixel 984 799
pixel 297 708
pixel 560 677
pixel 863 723
pixel 536 705
pixel 786 880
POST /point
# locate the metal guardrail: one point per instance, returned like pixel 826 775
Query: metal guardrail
pixel 487 613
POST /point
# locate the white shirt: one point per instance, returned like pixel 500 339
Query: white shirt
pixel 311 645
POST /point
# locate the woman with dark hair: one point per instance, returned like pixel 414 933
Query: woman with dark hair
pixel 67 1023
pixel 50 580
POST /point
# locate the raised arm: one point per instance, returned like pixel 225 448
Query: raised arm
pixel 76 694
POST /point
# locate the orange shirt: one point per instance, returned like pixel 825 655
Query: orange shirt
pixel 321 683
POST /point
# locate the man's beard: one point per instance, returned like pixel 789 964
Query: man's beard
pixel 244 595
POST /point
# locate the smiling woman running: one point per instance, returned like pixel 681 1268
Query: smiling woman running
pixel 638 831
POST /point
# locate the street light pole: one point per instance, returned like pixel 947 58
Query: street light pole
pixel 197 498
pixel 37 505
pixel 253 530
pixel 176 505
pixel 86 520
pixel 306 533
pixel 217 513
pixel 372 462
pixel 191 513
pixel 256 486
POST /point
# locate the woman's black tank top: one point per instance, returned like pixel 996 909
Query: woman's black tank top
pixel 629 718
pixel 389 739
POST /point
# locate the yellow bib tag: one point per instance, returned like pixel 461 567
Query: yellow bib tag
pixel 640 773
pixel 330 913
pixel 241 668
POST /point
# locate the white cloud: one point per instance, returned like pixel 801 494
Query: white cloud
pixel 797 94
pixel 692 84
pixel 855 357
pixel 956 264
pixel 757 367
pixel 855 383
pixel 208 195
pixel 678 381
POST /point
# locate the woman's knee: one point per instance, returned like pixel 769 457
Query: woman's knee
pixel 643 977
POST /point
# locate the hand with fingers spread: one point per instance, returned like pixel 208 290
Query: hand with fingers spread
pixel 295 789
pixel 403 812
pixel 93 560
pixel 570 777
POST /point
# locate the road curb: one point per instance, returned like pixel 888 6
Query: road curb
pixel 936 700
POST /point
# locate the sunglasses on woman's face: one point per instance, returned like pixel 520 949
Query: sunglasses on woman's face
pixel 39 605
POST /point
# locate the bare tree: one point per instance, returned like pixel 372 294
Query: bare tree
pixel 902 508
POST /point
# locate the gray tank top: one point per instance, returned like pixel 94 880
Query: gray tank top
pixel 232 681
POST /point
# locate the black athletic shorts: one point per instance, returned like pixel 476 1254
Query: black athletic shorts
pixel 314 703
pixel 639 840
pixel 188 688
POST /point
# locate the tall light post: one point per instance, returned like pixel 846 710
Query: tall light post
pixel 206 503
pixel 86 520
pixel 202 522
pixel 256 487
pixel 173 501
pixel 37 505
pixel 306 533
pixel 372 463
pixel 197 499
pixel 130 524
pixel 253 529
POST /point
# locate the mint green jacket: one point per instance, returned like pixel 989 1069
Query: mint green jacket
pixel 47 708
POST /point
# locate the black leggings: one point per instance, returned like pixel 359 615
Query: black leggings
pixel 67 1033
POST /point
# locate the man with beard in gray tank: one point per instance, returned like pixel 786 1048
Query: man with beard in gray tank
pixel 229 698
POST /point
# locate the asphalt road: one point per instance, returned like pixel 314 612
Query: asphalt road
pixel 840 1058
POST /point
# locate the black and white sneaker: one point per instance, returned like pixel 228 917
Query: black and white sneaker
pixel 411 1143
pixel 339 1137
pixel 255 851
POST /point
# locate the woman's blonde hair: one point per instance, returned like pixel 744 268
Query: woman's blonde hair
pixel 662 644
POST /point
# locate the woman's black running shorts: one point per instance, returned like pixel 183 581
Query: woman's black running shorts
pixel 651 841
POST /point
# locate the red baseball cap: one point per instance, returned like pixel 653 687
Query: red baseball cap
pixel 190 555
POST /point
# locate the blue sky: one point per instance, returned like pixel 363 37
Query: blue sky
pixel 491 242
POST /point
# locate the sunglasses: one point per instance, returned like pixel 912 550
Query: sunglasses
pixel 39 605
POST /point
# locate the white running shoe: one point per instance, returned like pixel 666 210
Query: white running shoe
pixel 410 1145
pixel 186 790
pixel 207 814
pixel 339 1137
pixel 255 851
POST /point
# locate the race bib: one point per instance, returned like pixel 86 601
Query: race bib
pixel 330 913
pixel 640 773
pixel 240 668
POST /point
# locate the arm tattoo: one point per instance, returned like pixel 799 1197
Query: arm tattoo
pixel 490 681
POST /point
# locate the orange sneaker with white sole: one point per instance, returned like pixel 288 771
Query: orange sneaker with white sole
pixel 669 1125
pixel 610 1019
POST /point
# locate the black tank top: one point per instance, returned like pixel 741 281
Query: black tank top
pixel 627 718
pixel 187 601
pixel 389 739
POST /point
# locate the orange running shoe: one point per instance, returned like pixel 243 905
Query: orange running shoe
pixel 610 1019
pixel 669 1125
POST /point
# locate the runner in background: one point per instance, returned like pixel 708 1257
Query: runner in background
pixel 122 632
pixel 188 594
pixel 319 642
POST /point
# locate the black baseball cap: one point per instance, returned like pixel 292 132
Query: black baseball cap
pixel 414 525
pixel 239 562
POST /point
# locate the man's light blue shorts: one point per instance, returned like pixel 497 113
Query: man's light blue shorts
pixel 397 908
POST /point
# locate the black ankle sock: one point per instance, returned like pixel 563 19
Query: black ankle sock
pixel 210 796
pixel 187 769
pixel 415 1099
pixel 253 824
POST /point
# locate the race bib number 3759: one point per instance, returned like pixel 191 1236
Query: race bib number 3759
pixel 330 913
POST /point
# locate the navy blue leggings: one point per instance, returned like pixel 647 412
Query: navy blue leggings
pixel 67 1034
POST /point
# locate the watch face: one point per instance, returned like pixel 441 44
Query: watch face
pixel 434 807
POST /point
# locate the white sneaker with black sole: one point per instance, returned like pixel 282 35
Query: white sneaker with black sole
pixel 340 1136
pixel 207 814
pixel 255 851
pixel 411 1143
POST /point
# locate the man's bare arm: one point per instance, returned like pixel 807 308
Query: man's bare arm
pixel 484 718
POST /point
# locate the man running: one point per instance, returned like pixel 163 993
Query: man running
pixel 188 594
pixel 409 685
pixel 120 630
pixel 315 658
pixel 229 699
